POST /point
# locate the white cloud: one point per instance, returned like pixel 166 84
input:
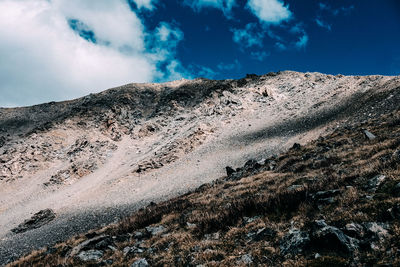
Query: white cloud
pixel 269 11
pixel 302 42
pixel 43 59
pixel 249 36
pixel 225 5
pixel 147 4
pixel 323 24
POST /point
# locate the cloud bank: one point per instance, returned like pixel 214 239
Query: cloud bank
pixel 269 11
pixel 56 50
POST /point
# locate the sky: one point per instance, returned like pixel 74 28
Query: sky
pixel 53 50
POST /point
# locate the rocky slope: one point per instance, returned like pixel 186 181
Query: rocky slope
pixel 332 202
pixel 118 150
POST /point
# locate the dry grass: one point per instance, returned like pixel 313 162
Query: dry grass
pixel 211 225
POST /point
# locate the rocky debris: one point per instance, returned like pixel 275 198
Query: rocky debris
pixel 172 150
pixel 37 220
pixel 101 242
pixel 129 251
pixel 249 167
pixel 156 230
pixel 294 242
pixel 375 182
pixel 140 263
pixel 246 259
pixel 330 238
pixel 369 135
pixel 90 255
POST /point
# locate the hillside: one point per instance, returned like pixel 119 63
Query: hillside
pixel 88 162
pixel 332 202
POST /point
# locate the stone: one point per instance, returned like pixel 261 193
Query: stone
pixel 229 170
pixel 96 243
pixel 140 263
pixel 332 239
pixel 354 230
pixel 296 146
pixel 37 220
pixel 246 259
pixel 90 255
pixel 369 135
pixel 375 182
pixel 251 164
pixel 377 230
pixel 156 230
pixel 294 242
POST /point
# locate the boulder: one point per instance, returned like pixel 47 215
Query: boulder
pixel 229 170
pixel 246 259
pixel 101 242
pixel 156 230
pixel 90 255
pixel 294 242
pixel 377 230
pixel 140 263
pixel 331 238
pixel 296 146
pixel 369 135
pixel 354 230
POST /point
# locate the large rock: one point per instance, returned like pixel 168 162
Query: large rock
pixel 101 242
pixel 369 135
pixel 377 230
pixel 330 238
pixel 246 259
pixel 156 230
pixel 90 255
pixel 294 242
pixel 140 263
pixel 37 220
pixel 354 230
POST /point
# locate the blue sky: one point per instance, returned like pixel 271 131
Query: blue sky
pixel 57 50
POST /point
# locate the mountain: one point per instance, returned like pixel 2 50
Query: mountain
pixel 73 166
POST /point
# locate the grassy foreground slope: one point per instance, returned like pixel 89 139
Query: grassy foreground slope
pixel 332 202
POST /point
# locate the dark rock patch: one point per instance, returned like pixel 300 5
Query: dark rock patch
pixel 37 220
